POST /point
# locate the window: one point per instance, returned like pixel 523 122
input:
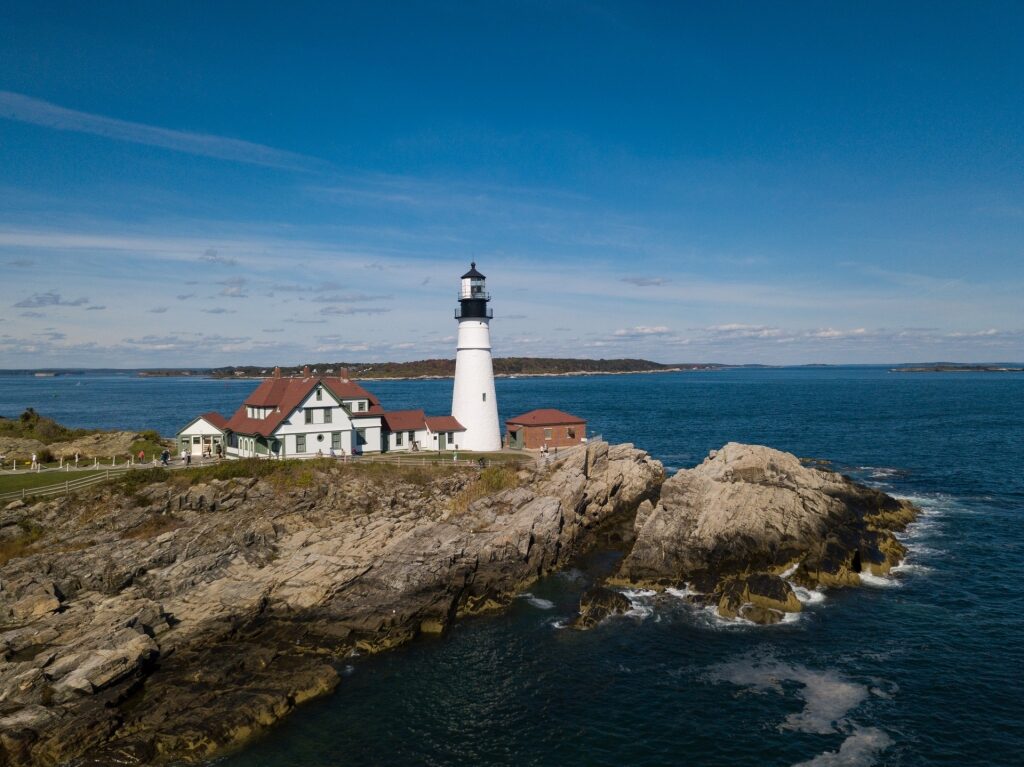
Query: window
pixel 360 436
pixel 361 406
pixel 319 394
pixel 300 442
pixel 319 437
pixel 327 415
pixel 309 415
pixel 570 432
pixel 336 440
pixel 547 434
pixel 399 438
pixel 484 395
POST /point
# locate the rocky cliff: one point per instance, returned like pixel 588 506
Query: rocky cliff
pixel 170 620
pixel 732 526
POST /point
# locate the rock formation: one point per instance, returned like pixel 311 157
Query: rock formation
pixel 165 620
pixel 598 603
pixel 732 525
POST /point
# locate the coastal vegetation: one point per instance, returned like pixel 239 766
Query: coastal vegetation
pixel 445 368
pixel 34 434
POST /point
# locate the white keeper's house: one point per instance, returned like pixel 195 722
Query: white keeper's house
pixel 310 415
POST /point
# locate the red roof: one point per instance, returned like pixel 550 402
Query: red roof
pixel 444 423
pixel 285 394
pixel 215 419
pixel 405 420
pixel 544 417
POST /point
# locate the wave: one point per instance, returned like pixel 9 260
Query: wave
pixel 869 579
pixel 808 596
pixel 640 605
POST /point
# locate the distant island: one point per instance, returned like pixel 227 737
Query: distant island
pixel 953 367
pixel 507 367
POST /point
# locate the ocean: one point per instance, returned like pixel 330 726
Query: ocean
pixel 923 668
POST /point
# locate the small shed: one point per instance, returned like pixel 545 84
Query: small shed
pixel 546 426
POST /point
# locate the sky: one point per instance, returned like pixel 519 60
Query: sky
pixel 201 184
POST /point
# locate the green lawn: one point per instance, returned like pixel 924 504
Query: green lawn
pixel 10 482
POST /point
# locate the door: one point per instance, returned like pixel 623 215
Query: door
pixel 442 441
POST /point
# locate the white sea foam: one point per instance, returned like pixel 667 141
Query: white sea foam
pixel 808 596
pixel 788 572
pixel 912 567
pixel 640 603
pixel 540 604
pixel 684 593
pixel 860 749
pixel 828 697
pixel 877 581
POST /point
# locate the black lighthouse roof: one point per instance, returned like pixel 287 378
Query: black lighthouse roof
pixel 473 273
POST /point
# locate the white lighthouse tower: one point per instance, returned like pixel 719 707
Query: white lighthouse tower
pixel 473 402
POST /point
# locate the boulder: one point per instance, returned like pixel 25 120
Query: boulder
pixel 598 603
pixel 747 513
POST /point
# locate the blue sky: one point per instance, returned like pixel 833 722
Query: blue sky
pixel 733 182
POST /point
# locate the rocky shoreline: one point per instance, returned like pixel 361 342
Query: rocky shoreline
pixel 167 621
pixel 158 619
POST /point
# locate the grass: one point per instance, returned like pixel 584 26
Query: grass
pixel 13 548
pixel 492 480
pixel 11 482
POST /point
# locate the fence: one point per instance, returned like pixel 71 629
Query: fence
pixel 65 487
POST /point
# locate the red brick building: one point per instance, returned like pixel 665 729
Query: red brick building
pixel 547 426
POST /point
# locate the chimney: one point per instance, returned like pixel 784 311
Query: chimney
pixel 277 372
pixel 344 375
pixel 305 371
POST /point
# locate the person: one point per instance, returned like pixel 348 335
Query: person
pixel 35 461
pixel 218 451
pixel 332 451
pixel 188 459
pixel 165 457
pixel 319 453
pixel 76 460
pixel 142 456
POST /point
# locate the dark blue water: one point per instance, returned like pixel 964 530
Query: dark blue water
pixel 921 670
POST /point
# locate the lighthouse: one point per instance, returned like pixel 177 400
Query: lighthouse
pixel 473 402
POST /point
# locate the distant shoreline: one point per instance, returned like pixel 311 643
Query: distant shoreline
pixel 957 369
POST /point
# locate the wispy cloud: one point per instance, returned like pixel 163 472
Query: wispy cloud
pixel 642 330
pixel 15 106
pixel 646 282
pixel 21 263
pixel 350 298
pixel 218 310
pixel 211 256
pixel 350 310
pixel 49 298
pixel 234 287
pixel 158 310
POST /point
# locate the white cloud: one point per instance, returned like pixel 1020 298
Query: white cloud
pixel 642 330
